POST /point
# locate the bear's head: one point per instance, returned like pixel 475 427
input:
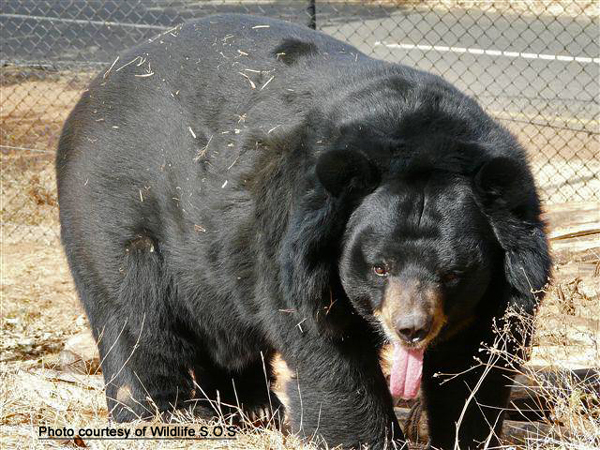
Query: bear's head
pixel 417 254
pixel 428 250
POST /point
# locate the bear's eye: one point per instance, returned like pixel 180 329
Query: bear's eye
pixel 450 277
pixel 380 270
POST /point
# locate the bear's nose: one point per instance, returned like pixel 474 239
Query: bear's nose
pixel 413 329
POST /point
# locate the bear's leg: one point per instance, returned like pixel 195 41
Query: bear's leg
pixel 146 344
pixel 338 391
pixel 243 395
pixel 254 392
pixel 467 396
pixel 145 375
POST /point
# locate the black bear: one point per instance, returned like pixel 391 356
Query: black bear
pixel 241 187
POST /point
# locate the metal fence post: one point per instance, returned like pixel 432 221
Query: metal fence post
pixel 311 9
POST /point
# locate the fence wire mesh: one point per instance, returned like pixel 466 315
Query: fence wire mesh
pixel 534 65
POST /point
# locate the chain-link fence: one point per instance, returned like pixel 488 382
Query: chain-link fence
pixel 534 65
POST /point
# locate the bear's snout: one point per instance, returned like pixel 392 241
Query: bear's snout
pixel 414 328
pixel 412 312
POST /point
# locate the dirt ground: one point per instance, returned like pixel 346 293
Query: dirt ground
pixel 35 105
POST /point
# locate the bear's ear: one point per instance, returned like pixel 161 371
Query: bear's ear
pixel 341 171
pixel 506 193
pixel 503 183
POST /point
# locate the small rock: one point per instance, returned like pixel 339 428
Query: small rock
pixel 80 321
pixel 80 354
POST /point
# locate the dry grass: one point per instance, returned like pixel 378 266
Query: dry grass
pixel 40 311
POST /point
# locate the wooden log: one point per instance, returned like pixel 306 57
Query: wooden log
pixel 530 411
pixel 513 433
pixel 533 392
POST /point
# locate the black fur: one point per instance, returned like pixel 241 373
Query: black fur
pixel 223 190
pixel 290 50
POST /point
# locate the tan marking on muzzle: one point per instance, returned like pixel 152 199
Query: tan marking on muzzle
pixel 436 300
pixel 404 298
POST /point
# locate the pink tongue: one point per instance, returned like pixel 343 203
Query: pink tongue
pixel 407 368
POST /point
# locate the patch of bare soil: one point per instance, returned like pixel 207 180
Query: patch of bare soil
pixel 34 110
pixel 29 203
pixel 39 306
